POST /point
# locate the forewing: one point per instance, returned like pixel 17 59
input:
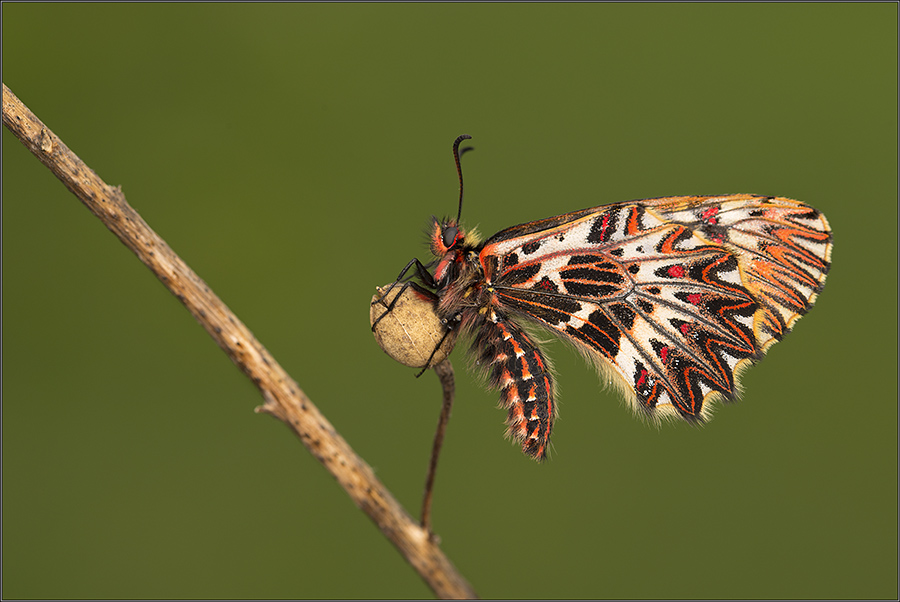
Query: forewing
pixel 674 295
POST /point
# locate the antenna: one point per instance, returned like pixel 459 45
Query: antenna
pixel 456 155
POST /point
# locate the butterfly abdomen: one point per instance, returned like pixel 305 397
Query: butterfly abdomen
pixel 517 367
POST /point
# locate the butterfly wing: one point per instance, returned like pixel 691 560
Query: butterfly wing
pixel 672 296
pixel 783 248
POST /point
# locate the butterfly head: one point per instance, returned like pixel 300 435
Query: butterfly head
pixel 453 247
pixel 445 236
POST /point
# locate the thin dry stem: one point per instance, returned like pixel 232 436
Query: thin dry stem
pixel 283 397
pixel 444 371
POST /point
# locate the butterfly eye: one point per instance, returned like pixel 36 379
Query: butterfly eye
pixel 448 236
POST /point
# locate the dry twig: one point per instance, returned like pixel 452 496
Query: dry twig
pixel 283 398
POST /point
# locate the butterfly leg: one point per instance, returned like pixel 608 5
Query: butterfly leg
pixel 518 368
pixel 423 274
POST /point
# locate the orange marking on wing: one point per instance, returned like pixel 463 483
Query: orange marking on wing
pixel 633 227
pixel 668 243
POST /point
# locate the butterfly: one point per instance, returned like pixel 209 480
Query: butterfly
pixel 670 298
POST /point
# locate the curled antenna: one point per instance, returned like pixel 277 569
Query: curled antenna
pixel 456 155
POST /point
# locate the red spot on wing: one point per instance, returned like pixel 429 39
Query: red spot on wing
pixel 709 216
pixel 643 377
pixel 676 271
pixel 604 227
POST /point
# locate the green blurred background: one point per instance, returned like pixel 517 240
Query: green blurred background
pixel 292 155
